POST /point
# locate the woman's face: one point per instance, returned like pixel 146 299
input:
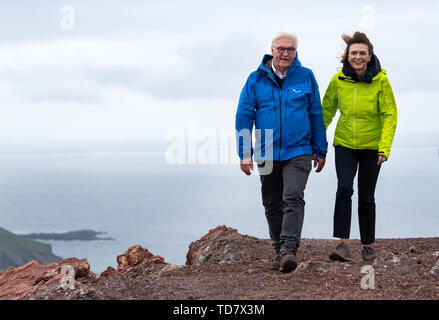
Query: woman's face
pixel 358 57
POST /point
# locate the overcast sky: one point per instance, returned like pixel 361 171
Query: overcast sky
pixel 128 72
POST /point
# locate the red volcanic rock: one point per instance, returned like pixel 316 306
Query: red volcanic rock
pixel 216 232
pixel 109 272
pixel 220 245
pixel 137 256
pixel 35 279
pixel 81 267
pixel 226 265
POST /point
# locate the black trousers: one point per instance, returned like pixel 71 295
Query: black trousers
pixel 347 163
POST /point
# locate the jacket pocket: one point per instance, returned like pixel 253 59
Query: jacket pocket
pixel 297 102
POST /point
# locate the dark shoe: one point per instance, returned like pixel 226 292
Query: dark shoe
pixel 275 263
pixel 368 253
pixel 288 263
pixel 341 253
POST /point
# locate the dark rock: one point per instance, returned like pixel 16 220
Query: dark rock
pixel 413 249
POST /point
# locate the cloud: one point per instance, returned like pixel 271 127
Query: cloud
pixel 49 86
pixel 209 69
pixel 139 69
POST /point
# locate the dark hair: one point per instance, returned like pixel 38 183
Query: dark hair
pixel 358 37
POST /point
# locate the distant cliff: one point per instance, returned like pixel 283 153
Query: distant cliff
pixel 84 235
pixel 16 250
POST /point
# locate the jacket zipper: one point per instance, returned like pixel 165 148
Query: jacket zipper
pixel 353 114
pixel 280 113
pixel 280 107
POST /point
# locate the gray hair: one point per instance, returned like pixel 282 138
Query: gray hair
pixel 283 35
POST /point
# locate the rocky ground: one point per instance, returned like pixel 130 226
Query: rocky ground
pixel 227 265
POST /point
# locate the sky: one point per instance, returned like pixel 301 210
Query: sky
pixel 123 75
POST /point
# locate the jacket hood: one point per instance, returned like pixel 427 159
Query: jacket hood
pixel 266 64
pixel 373 68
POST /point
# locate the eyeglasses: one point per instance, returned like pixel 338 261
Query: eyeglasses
pixel 361 53
pixel 281 50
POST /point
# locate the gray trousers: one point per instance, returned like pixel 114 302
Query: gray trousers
pixel 283 199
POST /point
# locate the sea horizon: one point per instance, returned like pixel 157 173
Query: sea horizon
pixel 139 199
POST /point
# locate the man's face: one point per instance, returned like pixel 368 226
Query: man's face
pixel 282 61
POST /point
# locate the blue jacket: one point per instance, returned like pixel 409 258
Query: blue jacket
pixel 288 121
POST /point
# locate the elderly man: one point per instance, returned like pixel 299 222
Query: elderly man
pixel 281 99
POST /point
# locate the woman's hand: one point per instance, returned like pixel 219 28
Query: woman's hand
pixel 381 159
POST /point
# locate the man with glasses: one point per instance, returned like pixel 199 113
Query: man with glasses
pixel 281 99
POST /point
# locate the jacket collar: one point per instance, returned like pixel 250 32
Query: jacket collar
pixel 265 65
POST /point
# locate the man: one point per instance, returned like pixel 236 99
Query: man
pixel 281 99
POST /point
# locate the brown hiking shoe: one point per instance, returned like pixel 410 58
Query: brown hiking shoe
pixel 275 263
pixel 368 253
pixel 288 263
pixel 341 253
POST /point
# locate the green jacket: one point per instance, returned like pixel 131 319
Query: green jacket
pixel 367 112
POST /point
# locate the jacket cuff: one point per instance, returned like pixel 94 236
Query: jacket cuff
pixel 320 155
pixel 382 153
pixel 246 155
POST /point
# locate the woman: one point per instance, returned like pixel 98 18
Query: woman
pixel 362 140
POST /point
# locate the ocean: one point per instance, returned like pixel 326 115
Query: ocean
pixel 138 198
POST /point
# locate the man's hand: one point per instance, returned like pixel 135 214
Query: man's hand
pixel 381 159
pixel 320 162
pixel 246 165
